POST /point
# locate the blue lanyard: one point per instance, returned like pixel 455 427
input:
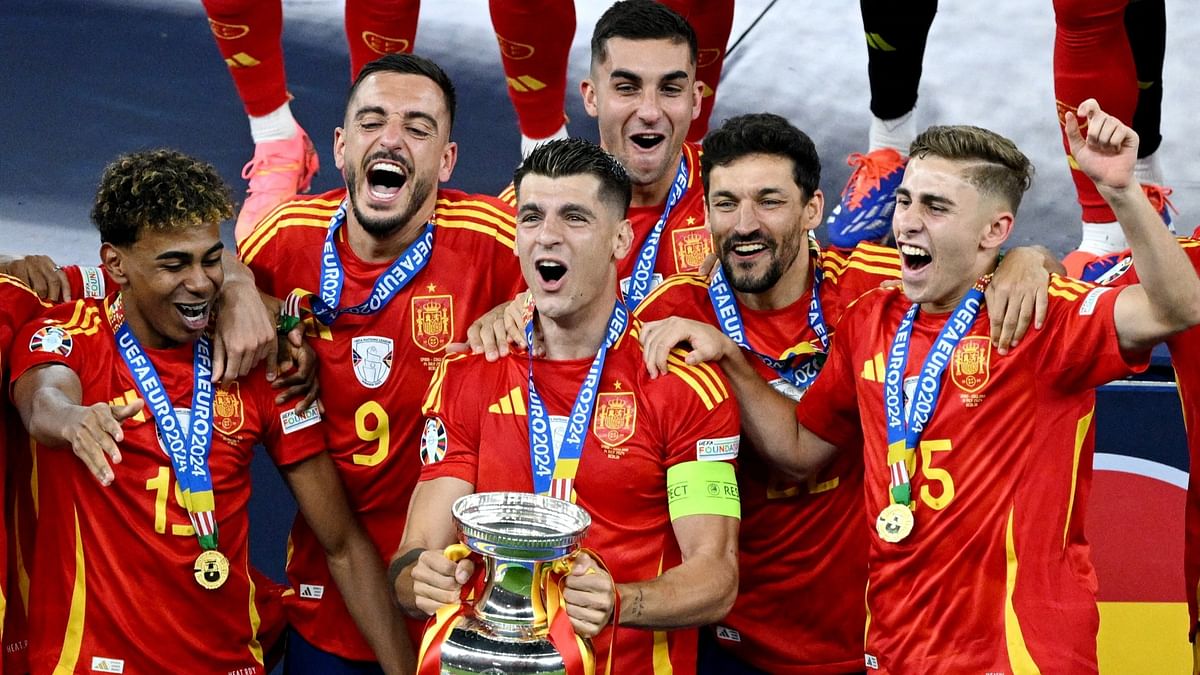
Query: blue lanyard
pixel 904 430
pixel 189 457
pixel 640 284
pixel 387 286
pixel 541 450
pixel 799 372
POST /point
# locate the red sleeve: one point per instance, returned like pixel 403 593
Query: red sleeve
pixel 450 439
pixel 47 341
pixel 288 436
pixel 850 274
pixel 697 413
pixel 1083 351
pixel 18 306
pixel 89 281
pixel 682 295
pixel 829 408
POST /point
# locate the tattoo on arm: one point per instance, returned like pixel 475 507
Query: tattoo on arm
pixel 635 608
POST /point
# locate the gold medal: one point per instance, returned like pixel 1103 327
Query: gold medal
pixel 895 522
pixel 211 569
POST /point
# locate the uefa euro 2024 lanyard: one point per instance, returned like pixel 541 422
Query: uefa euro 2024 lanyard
pixel 800 373
pixel 643 270
pixel 325 305
pixel 896 520
pixel 555 475
pixel 189 456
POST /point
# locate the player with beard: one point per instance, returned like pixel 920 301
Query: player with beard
pixel 674 561
pixel 388 272
pixel 156 578
pixel 799 544
pixel 979 475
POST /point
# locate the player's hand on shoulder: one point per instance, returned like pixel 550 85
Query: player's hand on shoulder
pixel 94 432
pixel 245 333
pixel 590 595
pixel 501 329
pixel 1017 296
pixel 438 581
pixel 705 343
pixel 40 273
pixel 296 372
pixel 1107 151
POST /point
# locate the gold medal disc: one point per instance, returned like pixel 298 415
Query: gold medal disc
pixel 894 523
pixel 211 569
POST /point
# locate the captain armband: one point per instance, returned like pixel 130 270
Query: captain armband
pixel 703 488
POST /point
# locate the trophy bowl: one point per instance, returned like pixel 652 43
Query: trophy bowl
pixel 519 525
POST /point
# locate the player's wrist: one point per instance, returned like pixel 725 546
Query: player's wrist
pixel 399 564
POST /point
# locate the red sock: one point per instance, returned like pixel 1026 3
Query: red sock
pixel 378 27
pixel 712 20
pixel 1092 59
pixel 535 41
pixel 248 35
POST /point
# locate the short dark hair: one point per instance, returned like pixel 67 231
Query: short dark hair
pixel 994 164
pixel 577 157
pixel 763 134
pixel 409 64
pixel 642 20
pixel 160 190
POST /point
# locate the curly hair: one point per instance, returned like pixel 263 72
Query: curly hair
pixel 160 190
pixel 994 164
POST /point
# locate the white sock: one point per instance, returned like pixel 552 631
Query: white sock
pixel 1148 170
pixel 528 144
pixel 1103 238
pixel 277 125
pixel 897 134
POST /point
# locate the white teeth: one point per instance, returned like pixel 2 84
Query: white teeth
pixel 547 263
pixel 389 167
pixel 193 310
pixel 747 249
pixel 909 249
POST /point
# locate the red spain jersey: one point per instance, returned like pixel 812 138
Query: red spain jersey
pixel 639 428
pixel 996 575
pixel 18 306
pixel 802 552
pixel 112 584
pixel 1185 358
pixel 685 241
pixel 374 370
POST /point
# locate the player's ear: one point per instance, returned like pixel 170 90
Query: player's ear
pixel 997 230
pixel 339 148
pixel 114 261
pixel 813 211
pixel 449 159
pixel 623 240
pixel 587 90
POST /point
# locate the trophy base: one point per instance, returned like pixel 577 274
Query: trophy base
pixel 471 648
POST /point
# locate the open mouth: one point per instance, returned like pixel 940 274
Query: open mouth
pixel 551 272
pixel 647 141
pixel 386 179
pixel 195 316
pixel 914 257
pixel 748 249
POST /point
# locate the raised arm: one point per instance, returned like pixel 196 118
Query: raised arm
pixel 1168 298
pixel 353 561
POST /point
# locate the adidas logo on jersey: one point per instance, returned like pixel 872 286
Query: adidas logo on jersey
pixel 512 403
pixel 312 592
pixel 103 665
pixel 730 634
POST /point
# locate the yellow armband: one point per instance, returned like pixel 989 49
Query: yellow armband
pixel 708 488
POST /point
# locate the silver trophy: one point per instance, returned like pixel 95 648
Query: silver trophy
pixel 519 535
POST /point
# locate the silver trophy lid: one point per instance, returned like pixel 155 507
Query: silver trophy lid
pixel 520 525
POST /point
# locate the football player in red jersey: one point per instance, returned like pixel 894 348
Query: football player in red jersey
pixel 389 270
pixel 674 564
pixel 979 475
pixel 157 576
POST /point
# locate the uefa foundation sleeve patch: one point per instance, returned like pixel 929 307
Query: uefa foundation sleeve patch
pixel 717 449
pixel 292 421
pixel 52 340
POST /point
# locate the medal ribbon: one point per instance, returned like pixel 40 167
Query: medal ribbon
pixel 387 286
pixel 189 456
pixel 640 284
pixel 799 372
pixel 904 431
pixel 555 476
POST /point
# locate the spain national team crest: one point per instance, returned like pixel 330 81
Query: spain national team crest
pixel 692 246
pixel 382 44
pixel 615 418
pixel 971 368
pixel 432 321
pixel 228 412
pixel 371 356
pixel 51 339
